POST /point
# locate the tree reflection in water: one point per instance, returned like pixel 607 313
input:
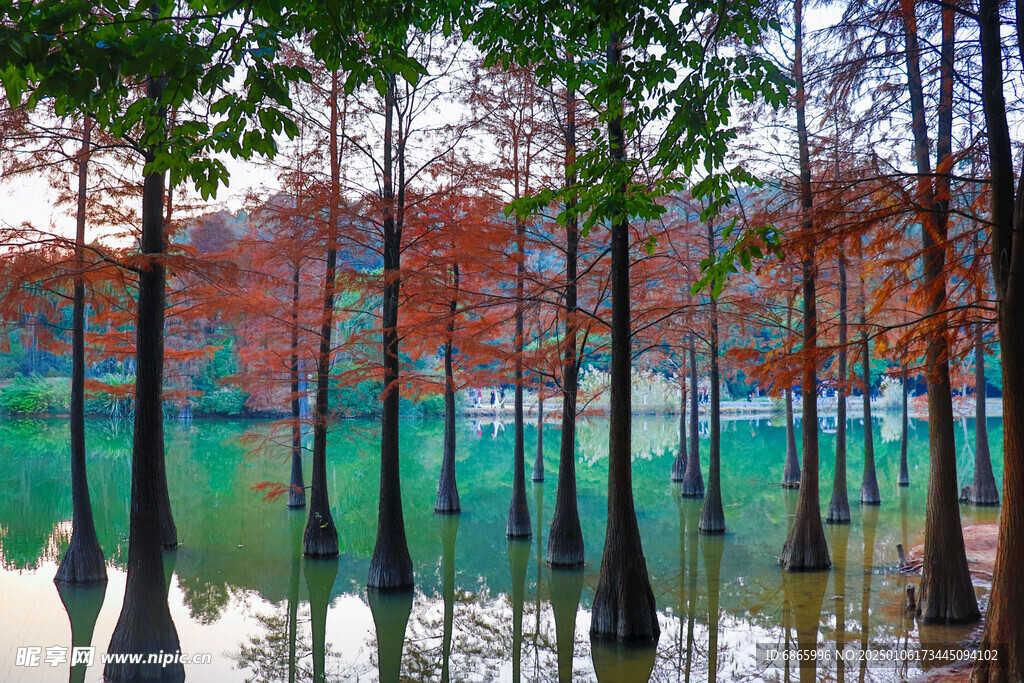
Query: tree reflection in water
pixel 390 619
pixel 82 602
pixel 565 587
pixel 869 521
pixel 839 535
pixel 712 547
pixel 284 650
pixel 804 593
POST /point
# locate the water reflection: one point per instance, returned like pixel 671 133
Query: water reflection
pixel 804 593
pixel 82 602
pixel 448 525
pixel 565 587
pixel 320 576
pixel 712 547
pixel 691 517
pixel 296 527
pixel 238 582
pixel 838 539
pixel 518 559
pixel 869 522
pixel 390 618
pixel 622 663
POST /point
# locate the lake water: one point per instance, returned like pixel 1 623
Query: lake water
pixel 241 590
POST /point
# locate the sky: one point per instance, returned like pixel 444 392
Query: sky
pixel 30 198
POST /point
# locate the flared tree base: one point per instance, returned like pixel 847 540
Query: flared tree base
pixel 145 627
pixel 805 549
pixel 565 549
pixel 678 469
pixel 321 537
pixel 984 492
pixel 838 512
pixel 712 520
pixel 961 610
pixel 624 608
pixel 390 566
pixel 692 488
pixel 869 494
pixel 82 563
pixel 519 518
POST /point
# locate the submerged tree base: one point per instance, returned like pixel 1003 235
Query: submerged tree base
pixel 869 494
pixel 692 487
pixel 624 608
pixel 321 537
pixel 82 563
pixel 983 495
pixel 145 627
pixel 838 512
pixel 712 517
pixel 806 549
pixel 678 468
pixel 519 516
pixel 565 548
pixel 390 567
pixel 447 497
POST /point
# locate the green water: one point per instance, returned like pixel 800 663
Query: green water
pixel 241 591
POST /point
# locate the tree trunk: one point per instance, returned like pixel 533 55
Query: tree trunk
pixel 391 566
pixel 712 518
pixel 538 463
pixel 144 625
pixel 679 464
pixel 623 607
pixel 983 490
pixel 904 475
pixel 839 506
pixel 791 473
pixel 321 537
pixel 565 539
pixel 1006 603
pixel 805 548
pixel 693 481
pixel 297 489
pixel 447 489
pixel 869 484
pixel 83 562
pixel 519 511
pixel 946 595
